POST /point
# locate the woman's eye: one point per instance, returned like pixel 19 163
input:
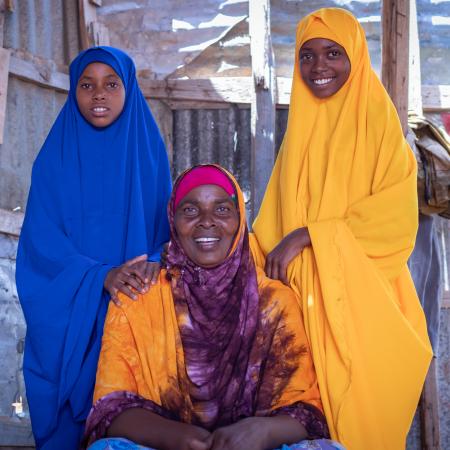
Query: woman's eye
pixel 223 209
pixel 335 53
pixel 85 85
pixel 305 57
pixel 113 84
pixel 190 211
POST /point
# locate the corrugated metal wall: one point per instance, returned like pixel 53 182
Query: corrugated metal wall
pixel 43 28
pixel 220 136
pixel 42 31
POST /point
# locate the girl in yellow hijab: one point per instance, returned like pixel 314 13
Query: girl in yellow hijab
pixel 338 223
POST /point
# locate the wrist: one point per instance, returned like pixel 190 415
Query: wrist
pixel 302 237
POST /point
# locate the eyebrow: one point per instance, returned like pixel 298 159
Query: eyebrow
pixel 327 47
pixel 86 77
pixel 195 202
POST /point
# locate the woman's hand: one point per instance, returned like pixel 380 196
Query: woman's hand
pixel 289 247
pixel 249 433
pixel 189 437
pixel 131 277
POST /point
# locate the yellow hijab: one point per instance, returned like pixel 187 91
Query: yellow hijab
pixel 346 172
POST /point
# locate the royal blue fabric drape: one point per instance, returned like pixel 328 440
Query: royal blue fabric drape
pixel 98 197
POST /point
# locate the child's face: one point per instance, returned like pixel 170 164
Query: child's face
pixel 100 94
pixel 324 66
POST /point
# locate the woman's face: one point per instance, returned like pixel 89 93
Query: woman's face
pixel 324 66
pixel 100 94
pixel 206 221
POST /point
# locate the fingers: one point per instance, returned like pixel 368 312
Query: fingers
pixel 195 444
pixel 271 267
pixel 135 260
pixel 152 272
pixel 268 266
pixel 115 298
pixel 282 273
pixel 127 291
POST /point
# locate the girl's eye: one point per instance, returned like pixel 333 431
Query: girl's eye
pixel 85 85
pixel 305 57
pixel 335 53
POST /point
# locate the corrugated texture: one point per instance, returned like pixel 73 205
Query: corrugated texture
pixel 219 136
pixel 30 113
pixel 43 28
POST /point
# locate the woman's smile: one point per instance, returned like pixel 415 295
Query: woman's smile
pixel 206 221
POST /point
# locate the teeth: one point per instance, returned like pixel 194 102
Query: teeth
pixel 206 239
pixel 322 81
pixel 99 109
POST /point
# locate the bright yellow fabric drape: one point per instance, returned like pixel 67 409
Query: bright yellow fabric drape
pixel 346 172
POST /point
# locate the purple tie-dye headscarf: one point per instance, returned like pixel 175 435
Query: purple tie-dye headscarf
pixel 222 307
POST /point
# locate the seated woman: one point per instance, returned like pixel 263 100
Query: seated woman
pixel 214 356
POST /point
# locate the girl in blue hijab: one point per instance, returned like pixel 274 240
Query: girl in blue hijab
pixel 95 218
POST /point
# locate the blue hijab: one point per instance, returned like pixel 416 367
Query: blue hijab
pixel 98 197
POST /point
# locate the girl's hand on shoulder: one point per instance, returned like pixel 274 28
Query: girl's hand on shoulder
pixel 129 278
pixel 148 271
pixel 289 247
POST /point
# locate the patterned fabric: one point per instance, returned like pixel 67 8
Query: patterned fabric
pixel 221 380
pixel 159 352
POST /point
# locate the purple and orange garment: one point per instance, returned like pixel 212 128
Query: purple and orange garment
pixel 208 346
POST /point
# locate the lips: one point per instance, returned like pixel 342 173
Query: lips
pixel 206 243
pixel 323 81
pixel 206 240
pixel 99 111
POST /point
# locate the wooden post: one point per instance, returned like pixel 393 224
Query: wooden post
pixel 4 67
pixel 395 59
pixel 414 78
pixel 429 402
pixel 92 32
pixel 429 411
pixel 264 100
pixel 4 72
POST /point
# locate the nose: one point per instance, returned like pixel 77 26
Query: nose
pixel 99 94
pixel 320 65
pixel 206 220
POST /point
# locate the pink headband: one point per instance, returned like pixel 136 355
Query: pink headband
pixel 200 176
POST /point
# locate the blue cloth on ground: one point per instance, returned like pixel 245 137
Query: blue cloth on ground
pixel 98 197
pixel 125 444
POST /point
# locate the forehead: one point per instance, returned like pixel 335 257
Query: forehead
pixel 207 193
pixel 98 70
pixel 320 44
